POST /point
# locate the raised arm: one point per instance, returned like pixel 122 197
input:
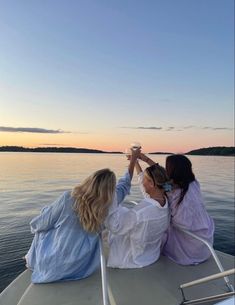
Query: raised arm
pixel 135 154
pixel 124 184
pixel 146 159
pixel 138 168
pixel 140 176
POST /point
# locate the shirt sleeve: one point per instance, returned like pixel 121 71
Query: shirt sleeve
pixel 123 187
pixel 121 221
pixel 48 216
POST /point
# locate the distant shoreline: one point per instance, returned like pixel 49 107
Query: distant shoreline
pixel 209 151
pixel 223 151
pixel 55 150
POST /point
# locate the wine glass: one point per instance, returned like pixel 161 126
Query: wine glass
pixel 135 145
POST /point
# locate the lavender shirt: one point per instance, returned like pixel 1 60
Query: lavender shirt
pixel 190 214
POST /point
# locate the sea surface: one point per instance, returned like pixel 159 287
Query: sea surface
pixel 29 181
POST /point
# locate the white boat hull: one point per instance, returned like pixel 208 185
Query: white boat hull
pixel 152 285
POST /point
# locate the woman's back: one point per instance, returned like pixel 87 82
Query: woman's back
pixel 153 221
pixel 66 243
pixel 189 214
pixel 62 244
pixel 135 242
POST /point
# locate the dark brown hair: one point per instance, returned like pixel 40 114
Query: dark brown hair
pixel 179 169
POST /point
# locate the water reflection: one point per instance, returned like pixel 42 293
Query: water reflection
pixel 31 180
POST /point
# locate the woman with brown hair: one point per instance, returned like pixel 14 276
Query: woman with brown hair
pixel 187 211
pixel 66 243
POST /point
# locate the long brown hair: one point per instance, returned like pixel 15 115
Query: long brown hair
pixel 179 169
pixel 93 198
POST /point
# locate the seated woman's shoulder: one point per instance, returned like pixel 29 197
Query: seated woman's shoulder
pixel 194 187
pixel 195 183
pixel 67 196
pixel 68 193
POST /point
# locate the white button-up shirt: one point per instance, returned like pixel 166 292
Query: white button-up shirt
pixel 135 233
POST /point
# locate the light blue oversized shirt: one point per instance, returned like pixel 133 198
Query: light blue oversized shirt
pixel 61 248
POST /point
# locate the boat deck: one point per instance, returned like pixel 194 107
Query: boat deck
pixel 157 284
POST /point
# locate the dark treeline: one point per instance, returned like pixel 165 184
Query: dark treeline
pixel 209 151
pixel 54 150
pixel 214 151
pixel 160 153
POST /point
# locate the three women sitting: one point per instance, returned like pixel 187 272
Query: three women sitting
pixel 65 245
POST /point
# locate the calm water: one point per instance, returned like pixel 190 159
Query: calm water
pixel 31 180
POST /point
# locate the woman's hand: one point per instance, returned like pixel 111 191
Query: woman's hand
pixel 135 153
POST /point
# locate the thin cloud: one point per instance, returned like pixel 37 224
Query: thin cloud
pixel 207 128
pixel 189 127
pixel 218 128
pixel 31 130
pixel 145 128
pixel 151 128
pixel 170 128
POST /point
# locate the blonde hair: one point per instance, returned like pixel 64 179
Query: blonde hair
pixel 93 198
pixel 158 174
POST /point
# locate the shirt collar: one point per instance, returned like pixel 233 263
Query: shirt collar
pixel 156 203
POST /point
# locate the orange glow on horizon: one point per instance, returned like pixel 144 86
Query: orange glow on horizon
pixel 175 142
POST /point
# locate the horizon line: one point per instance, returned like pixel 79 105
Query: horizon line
pixel 63 148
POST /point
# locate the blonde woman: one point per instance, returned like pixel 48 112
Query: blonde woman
pixel 65 245
pixel 135 234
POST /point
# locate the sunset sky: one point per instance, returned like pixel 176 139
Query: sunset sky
pixel 104 73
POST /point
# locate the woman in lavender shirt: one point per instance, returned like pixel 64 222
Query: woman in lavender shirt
pixel 188 212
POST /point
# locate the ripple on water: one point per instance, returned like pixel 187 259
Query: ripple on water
pixel 31 181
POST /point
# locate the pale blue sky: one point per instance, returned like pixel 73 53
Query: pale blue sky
pixel 96 66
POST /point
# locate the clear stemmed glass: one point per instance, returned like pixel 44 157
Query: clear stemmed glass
pixel 135 145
